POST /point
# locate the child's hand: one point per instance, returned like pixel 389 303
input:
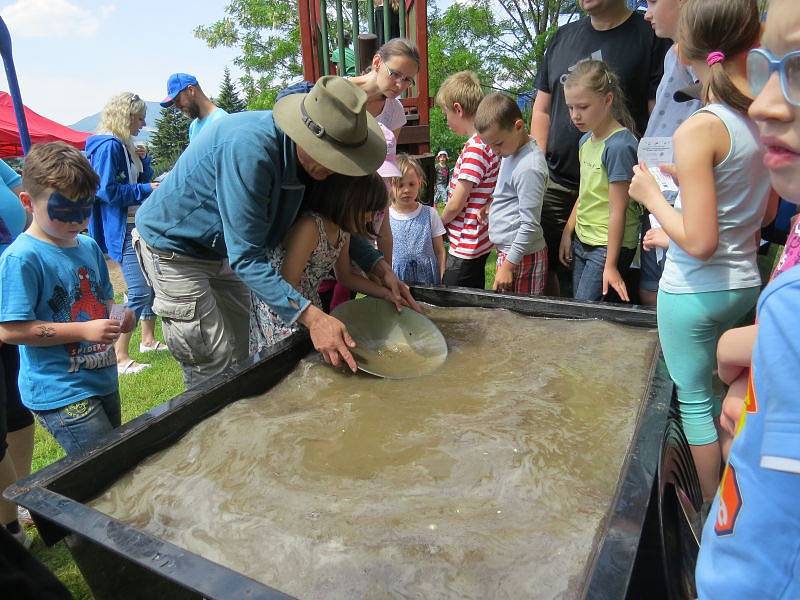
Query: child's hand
pixel 565 249
pixel 671 170
pixel 655 238
pixel 504 278
pixel 644 187
pixel 483 214
pixel 128 321
pixel 611 277
pixel 101 331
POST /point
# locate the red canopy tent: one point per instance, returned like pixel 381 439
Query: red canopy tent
pixel 41 129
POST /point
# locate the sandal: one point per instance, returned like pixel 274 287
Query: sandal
pixel 130 367
pixel 157 347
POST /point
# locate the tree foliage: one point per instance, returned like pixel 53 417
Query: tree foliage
pixel 228 98
pixel 170 139
pixel 267 35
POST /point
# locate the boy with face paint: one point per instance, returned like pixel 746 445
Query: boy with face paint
pixel 55 300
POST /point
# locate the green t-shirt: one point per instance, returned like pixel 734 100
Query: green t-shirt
pixel 603 162
pixel 349 61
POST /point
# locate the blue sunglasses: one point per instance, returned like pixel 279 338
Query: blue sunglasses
pixel 761 64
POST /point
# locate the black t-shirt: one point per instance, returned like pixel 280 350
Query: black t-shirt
pixel 634 53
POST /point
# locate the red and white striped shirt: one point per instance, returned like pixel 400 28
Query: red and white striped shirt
pixel 478 165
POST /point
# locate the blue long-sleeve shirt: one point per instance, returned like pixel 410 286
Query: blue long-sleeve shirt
pixel 115 193
pixel 234 193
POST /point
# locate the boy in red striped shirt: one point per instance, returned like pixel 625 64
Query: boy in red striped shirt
pixel 471 185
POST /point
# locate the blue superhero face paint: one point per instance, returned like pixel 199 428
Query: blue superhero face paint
pixel 61 208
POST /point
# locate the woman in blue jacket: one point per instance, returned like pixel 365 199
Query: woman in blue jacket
pixel 124 185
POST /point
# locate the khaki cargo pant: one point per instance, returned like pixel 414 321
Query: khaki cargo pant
pixel 205 310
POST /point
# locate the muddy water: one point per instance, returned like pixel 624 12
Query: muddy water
pixel 490 478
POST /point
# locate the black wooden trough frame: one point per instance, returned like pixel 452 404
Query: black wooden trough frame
pixel 120 561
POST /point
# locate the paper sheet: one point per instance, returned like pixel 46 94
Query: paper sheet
pixel 655 151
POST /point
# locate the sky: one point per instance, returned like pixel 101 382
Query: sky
pixel 71 56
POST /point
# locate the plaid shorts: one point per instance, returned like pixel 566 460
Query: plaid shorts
pixel 530 276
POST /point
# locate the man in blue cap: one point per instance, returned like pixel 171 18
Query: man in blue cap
pixel 184 92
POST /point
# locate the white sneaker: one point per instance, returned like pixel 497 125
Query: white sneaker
pixel 23 516
pixel 157 347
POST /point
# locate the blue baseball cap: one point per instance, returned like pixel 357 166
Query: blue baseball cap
pixel 176 83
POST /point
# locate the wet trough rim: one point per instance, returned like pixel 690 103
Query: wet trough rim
pixel 611 561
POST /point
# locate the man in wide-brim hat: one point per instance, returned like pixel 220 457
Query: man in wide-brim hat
pixel 203 236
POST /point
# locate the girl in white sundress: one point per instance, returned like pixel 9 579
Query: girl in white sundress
pixel 318 241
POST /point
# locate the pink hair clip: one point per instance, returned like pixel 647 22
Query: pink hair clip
pixel 714 58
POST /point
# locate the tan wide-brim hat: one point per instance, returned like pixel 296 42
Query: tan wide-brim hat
pixel 332 125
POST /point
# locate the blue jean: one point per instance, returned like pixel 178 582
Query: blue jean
pixel 79 425
pixel 588 263
pixel 140 294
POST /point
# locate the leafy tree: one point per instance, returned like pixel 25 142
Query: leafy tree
pixel 228 98
pixel 170 139
pixel 267 35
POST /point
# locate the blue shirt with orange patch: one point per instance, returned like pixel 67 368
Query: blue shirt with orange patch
pixel 751 540
pixel 43 282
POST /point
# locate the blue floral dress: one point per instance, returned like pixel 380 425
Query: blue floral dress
pixel 266 327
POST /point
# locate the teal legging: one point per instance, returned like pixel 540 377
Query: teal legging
pixel 689 327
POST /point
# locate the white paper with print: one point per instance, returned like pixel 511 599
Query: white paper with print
pixel 655 151
pixel 117 312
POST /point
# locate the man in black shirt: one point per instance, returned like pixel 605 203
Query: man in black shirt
pixel 612 33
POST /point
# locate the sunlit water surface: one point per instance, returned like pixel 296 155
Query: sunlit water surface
pixel 489 479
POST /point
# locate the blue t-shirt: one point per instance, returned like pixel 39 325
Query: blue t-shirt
pixel 751 540
pixel 12 213
pixel 41 281
pixel 196 126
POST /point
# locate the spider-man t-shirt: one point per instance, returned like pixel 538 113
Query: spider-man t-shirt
pixel 43 282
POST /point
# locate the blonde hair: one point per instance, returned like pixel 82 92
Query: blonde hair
pixel 497 109
pixel 399 47
pixel 116 120
pixel 405 163
pixel 463 87
pixel 728 26
pixel 60 167
pixel 597 77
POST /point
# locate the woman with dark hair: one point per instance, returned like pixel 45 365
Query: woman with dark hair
pixel 392 72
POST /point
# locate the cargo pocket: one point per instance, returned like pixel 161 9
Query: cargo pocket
pixel 182 331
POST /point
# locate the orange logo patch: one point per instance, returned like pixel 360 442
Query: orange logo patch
pixel 730 502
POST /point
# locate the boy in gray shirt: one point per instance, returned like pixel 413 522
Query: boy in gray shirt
pixel 516 208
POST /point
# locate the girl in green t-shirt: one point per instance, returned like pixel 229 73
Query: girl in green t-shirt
pixel 605 223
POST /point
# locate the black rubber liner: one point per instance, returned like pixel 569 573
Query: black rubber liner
pixel 121 562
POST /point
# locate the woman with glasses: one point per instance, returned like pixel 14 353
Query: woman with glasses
pixel 392 72
pixel 124 185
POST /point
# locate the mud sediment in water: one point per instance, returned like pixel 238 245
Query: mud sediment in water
pixel 489 478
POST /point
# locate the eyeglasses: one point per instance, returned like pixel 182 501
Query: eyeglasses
pixel 761 64
pixel 398 76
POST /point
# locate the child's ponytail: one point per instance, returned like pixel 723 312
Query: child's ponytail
pixel 714 31
pixel 598 77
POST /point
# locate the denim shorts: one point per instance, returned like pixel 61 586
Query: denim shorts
pixel 78 426
pixel 588 264
pixel 651 267
pixel 140 294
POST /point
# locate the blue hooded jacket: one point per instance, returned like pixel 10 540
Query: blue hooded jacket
pixel 109 219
